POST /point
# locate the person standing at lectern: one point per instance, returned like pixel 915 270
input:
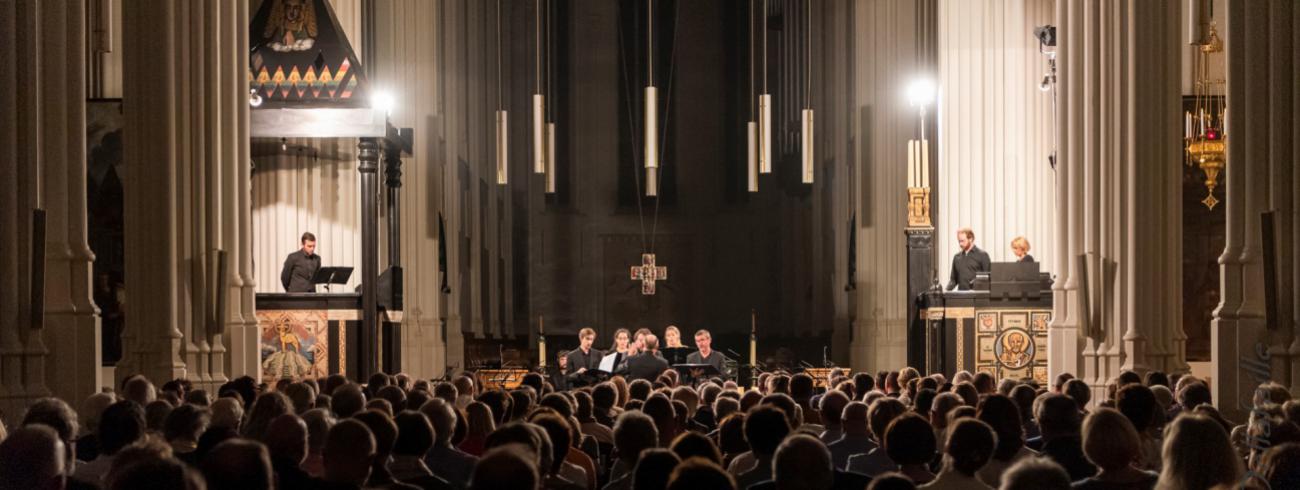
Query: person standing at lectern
pixel 967 262
pixel 300 266
pixel 1020 247
pixel 705 354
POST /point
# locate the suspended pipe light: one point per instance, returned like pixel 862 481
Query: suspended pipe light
pixel 502 129
pixel 764 110
pixel 651 122
pixel 550 124
pixel 751 127
pixel 807 113
pixel 539 104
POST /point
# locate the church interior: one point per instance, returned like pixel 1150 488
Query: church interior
pixel 1024 188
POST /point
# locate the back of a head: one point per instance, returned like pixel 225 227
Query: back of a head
pixel 32 457
pixel 803 463
pixel 508 466
pixel 394 395
pixel 765 427
pixel 700 473
pixel 984 383
pixel 660 408
pixel 970 445
pixel 787 405
pixel 1109 439
pixel 54 413
pixel 892 480
pixel 1280 466
pixel 319 421
pixel 634 432
pixel 1024 396
pixel 653 469
pixel 227 412
pixel 302 396
pixel 1194 393
pixel 518 433
pixel 238 464
pixel 138 389
pixel 347 400
pixel 93 408
pixel 382 428
pixel 1035 474
pixel 557 402
pixel 121 425
pixel 349 451
pixel 801 387
pixel 414 434
pixel 694 444
pixel 832 406
pixel 286 438
pixel 442 418
pixel 1138 403
pixel 1197 454
pixel 155 414
pixel 1078 390
pixel 266 408
pixel 863 383
pixel 558 431
pixel 158 474
pixel 186 423
pixel 881 413
pixel 1004 417
pixel 909 440
pixel 1058 416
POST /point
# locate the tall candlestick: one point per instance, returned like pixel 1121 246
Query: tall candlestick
pixel 541 342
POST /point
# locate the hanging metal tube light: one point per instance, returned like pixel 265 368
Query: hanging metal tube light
pixel 751 163
pixel 539 105
pixel 503 147
pixel 765 133
pixel 651 125
pixel 807 113
pixel 550 158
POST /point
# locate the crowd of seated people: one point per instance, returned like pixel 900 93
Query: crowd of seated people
pixel 878 431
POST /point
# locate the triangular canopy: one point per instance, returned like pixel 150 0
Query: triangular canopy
pixel 304 76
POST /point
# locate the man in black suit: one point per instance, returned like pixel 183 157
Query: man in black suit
pixel 300 266
pixel 967 262
pixel 646 364
pixel 583 359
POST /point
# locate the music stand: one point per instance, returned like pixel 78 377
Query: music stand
pixel 676 355
pixel 690 371
pixel 331 275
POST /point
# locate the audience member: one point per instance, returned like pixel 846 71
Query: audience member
pixel 700 473
pixel 445 460
pixel 856 437
pixel 1197 455
pixel 909 442
pixel 1002 415
pixel 508 466
pixel 238 464
pixel 1058 418
pixel 1111 442
pixel 120 425
pixel 876 461
pixel 1035 473
pixel 969 447
pixel 653 469
pixel 765 427
pixel 33 457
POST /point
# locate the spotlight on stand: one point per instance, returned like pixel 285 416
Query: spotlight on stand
pixel 1046 36
pixel 254 98
pixel 921 93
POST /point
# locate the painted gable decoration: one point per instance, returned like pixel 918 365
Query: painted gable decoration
pixel 301 58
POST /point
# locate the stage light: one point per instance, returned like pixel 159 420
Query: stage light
pixel 254 98
pixel 921 93
pixel 1046 84
pixel 384 101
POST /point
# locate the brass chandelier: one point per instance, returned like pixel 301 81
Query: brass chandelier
pixel 1204 127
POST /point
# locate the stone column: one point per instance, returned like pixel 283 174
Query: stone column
pixel 1119 161
pixel 1261 130
pixel 44 144
pixel 185 137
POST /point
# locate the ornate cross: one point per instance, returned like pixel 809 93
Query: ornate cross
pixel 648 273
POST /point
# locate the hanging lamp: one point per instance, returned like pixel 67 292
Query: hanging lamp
pixel 502 129
pixel 764 109
pixel 651 108
pixel 550 123
pixel 751 127
pixel 539 103
pixel 807 113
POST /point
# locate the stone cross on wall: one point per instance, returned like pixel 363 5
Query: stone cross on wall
pixel 648 273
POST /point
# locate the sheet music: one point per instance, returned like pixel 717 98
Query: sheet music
pixel 607 363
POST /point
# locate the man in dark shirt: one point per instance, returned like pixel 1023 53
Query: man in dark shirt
pixel 705 354
pixel 582 359
pixel 300 266
pixel 646 365
pixel 967 262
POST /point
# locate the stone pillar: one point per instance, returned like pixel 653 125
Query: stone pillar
pixel 1119 163
pixel 1261 131
pixel 44 145
pixel 186 134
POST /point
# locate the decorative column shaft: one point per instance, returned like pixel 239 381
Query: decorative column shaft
pixel 367 346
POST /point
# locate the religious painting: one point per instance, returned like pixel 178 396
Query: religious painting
pixel 1014 348
pixel 292 25
pixel 987 322
pixel 1039 322
pixel 294 343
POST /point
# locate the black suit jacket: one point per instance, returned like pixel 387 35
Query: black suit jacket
pixel 964 267
pixel 297 272
pixel 645 366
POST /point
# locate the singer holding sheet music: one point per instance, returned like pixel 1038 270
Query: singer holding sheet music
pixel 705 354
pixel 583 358
pixel 300 266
